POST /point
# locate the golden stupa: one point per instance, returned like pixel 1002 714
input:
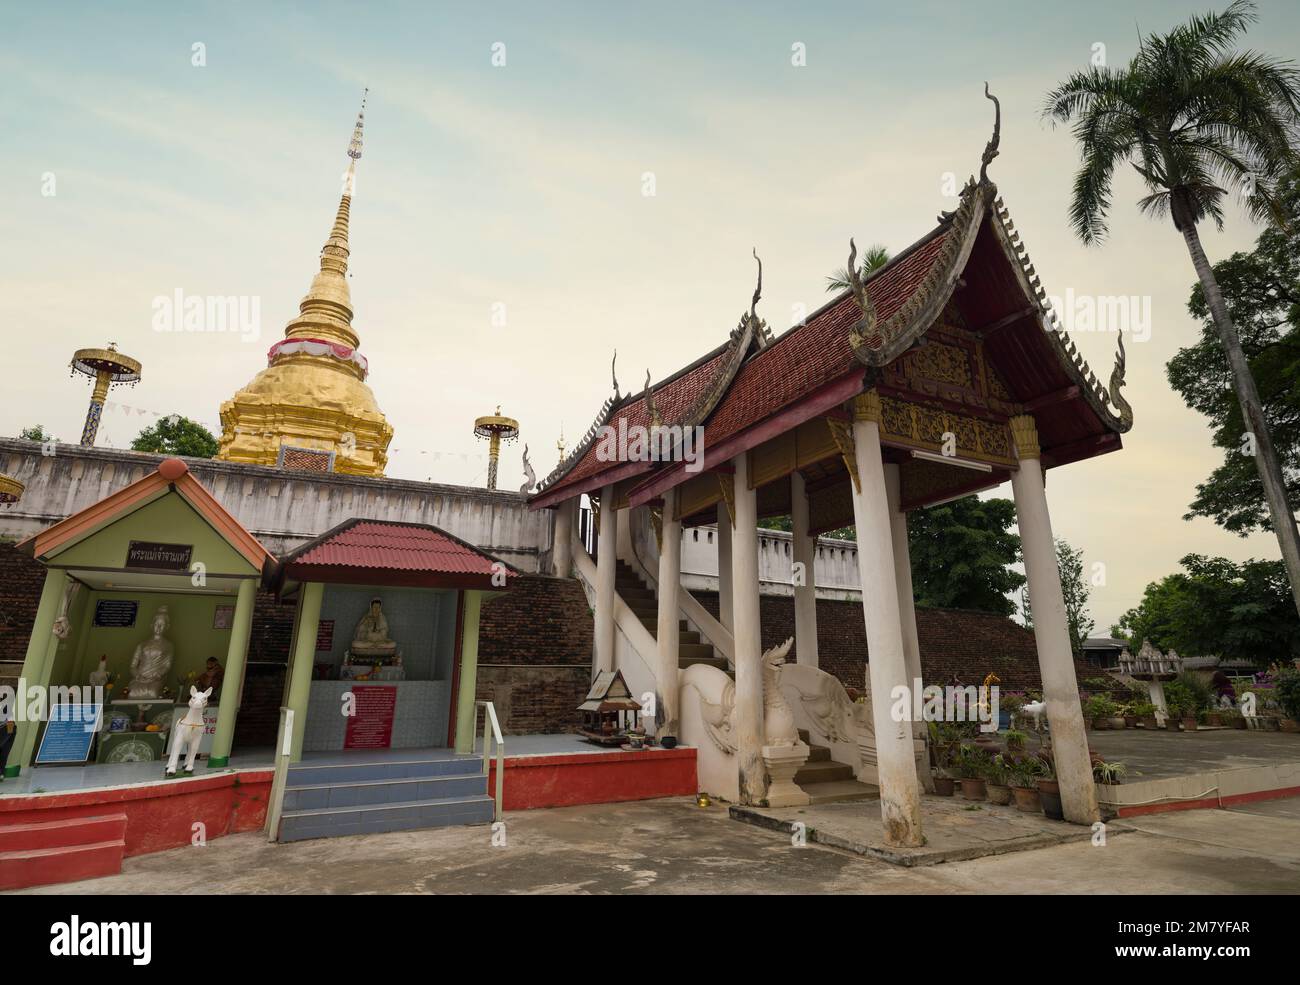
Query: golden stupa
pixel 310 409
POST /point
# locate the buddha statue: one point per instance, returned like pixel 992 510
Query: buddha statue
pixel 371 638
pixel 152 660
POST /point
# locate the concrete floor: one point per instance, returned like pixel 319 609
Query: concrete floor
pixel 1156 754
pixel 672 846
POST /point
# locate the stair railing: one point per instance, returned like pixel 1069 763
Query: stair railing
pixel 492 730
pixel 284 749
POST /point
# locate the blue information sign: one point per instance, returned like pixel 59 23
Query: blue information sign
pixel 69 733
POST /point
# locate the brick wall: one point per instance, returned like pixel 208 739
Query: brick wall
pixel 953 642
pixel 534 654
pixel 21 579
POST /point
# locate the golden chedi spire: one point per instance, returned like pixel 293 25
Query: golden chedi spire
pixel 310 408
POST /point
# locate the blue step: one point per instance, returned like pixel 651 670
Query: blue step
pixel 382 791
pixel 377 818
pixel 309 775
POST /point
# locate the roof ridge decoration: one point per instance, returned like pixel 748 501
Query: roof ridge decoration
pixel 656 419
pixel 1100 397
pixel 876 343
pixel 749 329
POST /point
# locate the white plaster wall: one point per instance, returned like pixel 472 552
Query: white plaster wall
pixel 282 509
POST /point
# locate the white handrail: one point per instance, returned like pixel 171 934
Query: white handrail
pixel 492 729
pixel 283 751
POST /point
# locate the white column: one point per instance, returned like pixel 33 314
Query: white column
pixel 670 578
pixel 903 574
pixel 747 717
pixel 907 609
pixel 724 566
pixel 900 810
pixel 805 595
pixel 562 546
pixel 606 564
pixel 1051 630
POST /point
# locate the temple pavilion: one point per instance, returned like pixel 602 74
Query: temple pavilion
pixel 941 374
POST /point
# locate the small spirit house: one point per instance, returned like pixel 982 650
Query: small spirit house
pixel 610 711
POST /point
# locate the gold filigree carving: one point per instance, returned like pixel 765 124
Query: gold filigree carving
pixel 727 486
pixel 1024 431
pixel 842 433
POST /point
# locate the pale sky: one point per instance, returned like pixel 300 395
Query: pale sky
pixel 522 185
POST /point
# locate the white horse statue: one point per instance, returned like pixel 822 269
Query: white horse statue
pixel 188 732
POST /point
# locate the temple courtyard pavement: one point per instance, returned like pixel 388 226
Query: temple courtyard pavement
pixel 673 846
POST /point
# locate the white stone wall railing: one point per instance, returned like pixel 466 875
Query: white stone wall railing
pixel 836 564
pixel 282 509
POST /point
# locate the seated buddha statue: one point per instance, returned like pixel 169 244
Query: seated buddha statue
pixel 371 638
pixel 152 660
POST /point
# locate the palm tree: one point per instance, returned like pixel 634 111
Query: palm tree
pixel 874 258
pixel 1194 117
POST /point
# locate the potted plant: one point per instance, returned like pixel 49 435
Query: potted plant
pixel 1145 713
pixel 997 780
pixel 1286 691
pixel 971 763
pixel 1130 714
pixel 1049 790
pixel 1015 740
pixel 1023 776
pixel 1099 710
pixel 941 752
pixel 1108 773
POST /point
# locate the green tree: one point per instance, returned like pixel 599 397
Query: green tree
pixel 176 435
pixel 1194 116
pixel 962 554
pixel 1075 593
pixel 1262 290
pixel 1215 607
pixel 37 433
pixel 873 259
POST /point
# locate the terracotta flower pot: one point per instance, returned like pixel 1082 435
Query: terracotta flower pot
pixel 972 788
pixel 1117 723
pixel 1288 725
pixel 998 794
pixel 1130 721
pixel 1151 722
pixel 1100 724
pixel 1049 793
pixel 945 786
pixel 1237 721
pixel 1189 724
pixel 1026 799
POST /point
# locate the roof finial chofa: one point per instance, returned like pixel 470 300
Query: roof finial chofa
pixel 991 148
pixel 354 147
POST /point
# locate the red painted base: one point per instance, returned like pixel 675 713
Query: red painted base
pixel 61 837
pixel 595 778
pixel 61 850
pixel 1208 802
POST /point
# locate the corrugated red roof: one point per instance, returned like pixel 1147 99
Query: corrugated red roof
pixel 811 355
pixel 396 547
